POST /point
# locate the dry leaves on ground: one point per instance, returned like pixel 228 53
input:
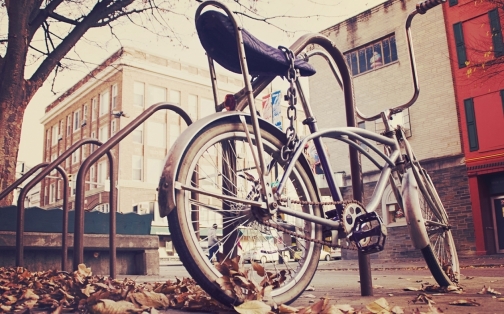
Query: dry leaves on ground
pixel 53 292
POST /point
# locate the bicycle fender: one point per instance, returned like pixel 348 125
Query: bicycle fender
pixel 413 211
pixel 167 182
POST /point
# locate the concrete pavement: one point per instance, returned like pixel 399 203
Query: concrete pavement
pixel 389 280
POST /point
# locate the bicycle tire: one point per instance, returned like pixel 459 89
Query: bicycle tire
pixel 186 227
pixel 441 254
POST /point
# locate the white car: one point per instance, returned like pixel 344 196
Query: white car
pixel 330 255
pixel 263 255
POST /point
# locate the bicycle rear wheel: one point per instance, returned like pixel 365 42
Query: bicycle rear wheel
pixel 441 254
pixel 219 162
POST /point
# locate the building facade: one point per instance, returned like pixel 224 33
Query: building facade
pixel 374 44
pixel 105 101
pixel 474 30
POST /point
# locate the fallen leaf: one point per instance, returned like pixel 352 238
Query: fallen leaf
pixel 470 302
pixel 310 288
pixel 106 306
pixel 151 299
pixel 378 306
pixel 253 307
pixel 411 289
pixel 397 310
pixel 287 309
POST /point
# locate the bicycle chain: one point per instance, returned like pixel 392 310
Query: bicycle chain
pixel 306 238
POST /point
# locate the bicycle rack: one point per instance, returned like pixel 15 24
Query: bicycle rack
pixel 78 257
pixel 79 199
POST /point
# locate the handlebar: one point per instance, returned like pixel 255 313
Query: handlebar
pixel 421 8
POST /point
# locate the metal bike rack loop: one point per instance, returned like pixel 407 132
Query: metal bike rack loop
pixel 78 252
pixel 21 209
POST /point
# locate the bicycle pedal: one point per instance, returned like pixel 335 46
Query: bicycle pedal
pixel 369 233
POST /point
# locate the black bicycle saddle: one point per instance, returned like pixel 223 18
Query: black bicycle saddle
pixel 217 36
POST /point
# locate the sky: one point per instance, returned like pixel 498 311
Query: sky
pixel 299 17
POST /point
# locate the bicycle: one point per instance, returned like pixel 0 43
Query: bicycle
pixel 254 180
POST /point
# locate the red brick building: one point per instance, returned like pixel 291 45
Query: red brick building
pixel 475 39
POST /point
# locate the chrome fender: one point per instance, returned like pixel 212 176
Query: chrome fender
pixel 166 187
pixel 412 210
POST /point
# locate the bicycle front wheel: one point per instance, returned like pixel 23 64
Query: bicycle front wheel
pixel 219 167
pixel 440 255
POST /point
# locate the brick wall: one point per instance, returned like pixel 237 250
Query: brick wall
pixel 452 186
pixel 434 114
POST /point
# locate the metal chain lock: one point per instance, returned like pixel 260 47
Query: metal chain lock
pixel 291 96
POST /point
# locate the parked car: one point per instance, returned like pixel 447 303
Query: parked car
pixel 324 255
pixel 262 255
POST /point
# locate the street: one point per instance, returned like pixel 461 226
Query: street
pixel 343 287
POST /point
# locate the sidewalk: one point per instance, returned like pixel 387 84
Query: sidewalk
pixel 419 263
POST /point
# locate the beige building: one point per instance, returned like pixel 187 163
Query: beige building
pixel 129 81
pixel 374 44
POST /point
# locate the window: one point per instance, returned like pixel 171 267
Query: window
pixel 60 129
pixel 104 103
pixel 93 109
pixel 138 134
pixel 156 94
pixel 102 172
pixel 73 184
pixel 48 139
pixel 54 136
pixel 495 28
pixel 174 133
pixel 137 167
pixel 52 193
pixel 92 176
pixel 460 45
pixel 472 133
pixel 138 94
pixel 53 158
pixel 207 107
pixel 59 194
pixel 93 146
pixel 156 134
pixel 76 120
pixel 154 168
pixel 85 114
pixel 69 124
pixel 192 107
pixel 113 127
pixel 392 212
pixel 372 56
pixel 402 118
pixel 175 97
pixel 453 2
pixel 103 134
pixel 114 96
pixel 502 99
pixel 76 156
pixel 362 125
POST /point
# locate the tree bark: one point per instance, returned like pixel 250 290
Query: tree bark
pixel 13 96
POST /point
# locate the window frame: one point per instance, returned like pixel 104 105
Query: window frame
pixel 76 120
pixel 355 62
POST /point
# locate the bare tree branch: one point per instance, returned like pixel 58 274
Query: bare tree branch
pixel 99 11
pixel 41 16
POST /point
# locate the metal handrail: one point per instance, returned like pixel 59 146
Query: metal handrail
pixel 19 181
pixel 21 210
pixel 78 252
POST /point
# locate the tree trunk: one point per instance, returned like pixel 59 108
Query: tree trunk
pixel 11 118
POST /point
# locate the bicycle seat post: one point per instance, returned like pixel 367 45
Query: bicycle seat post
pixel 266 185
